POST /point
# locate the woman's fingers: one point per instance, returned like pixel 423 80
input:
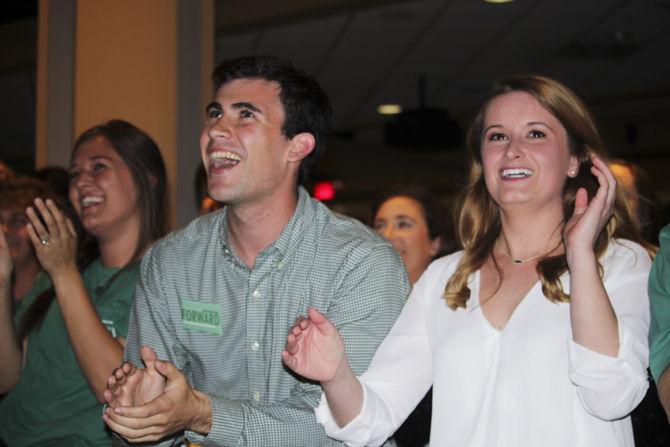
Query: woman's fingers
pixel 41 233
pixel 58 218
pixel 35 238
pixel 606 194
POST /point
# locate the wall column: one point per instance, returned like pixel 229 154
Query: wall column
pixel 147 62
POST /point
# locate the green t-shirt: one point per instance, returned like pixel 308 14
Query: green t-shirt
pixel 52 404
pixel 659 297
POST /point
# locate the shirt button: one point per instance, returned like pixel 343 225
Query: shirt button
pixel 257 396
pixel 255 345
pixel 256 294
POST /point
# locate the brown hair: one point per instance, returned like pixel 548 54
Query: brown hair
pixel 18 192
pixel 479 217
pixel 143 158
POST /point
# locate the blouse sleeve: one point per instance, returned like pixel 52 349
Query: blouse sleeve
pixel 399 376
pixel 611 387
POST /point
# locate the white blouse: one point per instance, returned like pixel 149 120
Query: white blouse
pixel 527 385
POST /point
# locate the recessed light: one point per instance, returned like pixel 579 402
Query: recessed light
pixel 389 109
pixel 498 1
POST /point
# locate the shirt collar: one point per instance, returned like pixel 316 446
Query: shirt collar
pixel 290 236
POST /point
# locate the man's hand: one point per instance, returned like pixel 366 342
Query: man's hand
pixel 177 408
pixel 130 386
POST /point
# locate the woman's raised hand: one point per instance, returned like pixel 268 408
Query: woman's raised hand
pixel 56 243
pixel 589 219
pixel 314 348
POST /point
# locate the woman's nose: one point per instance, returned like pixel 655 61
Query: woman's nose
pixel 388 232
pixel 513 150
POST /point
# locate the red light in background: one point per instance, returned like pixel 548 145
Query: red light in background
pixel 324 191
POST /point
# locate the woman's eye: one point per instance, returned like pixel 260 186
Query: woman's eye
pixel 536 134
pixel 405 224
pixel 379 226
pixel 99 166
pixel 246 113
pixel 497 137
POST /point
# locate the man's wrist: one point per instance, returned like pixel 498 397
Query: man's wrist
pixel 202 417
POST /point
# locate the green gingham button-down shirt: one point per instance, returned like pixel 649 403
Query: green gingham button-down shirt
pixel 225 325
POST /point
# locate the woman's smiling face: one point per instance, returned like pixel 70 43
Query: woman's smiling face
pixel 525 152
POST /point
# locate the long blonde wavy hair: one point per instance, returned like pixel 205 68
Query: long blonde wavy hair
pixel 479 216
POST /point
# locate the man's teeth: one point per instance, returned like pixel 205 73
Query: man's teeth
pixel 224 159
pixel 90 200
pixel 224 155
pixel 516 173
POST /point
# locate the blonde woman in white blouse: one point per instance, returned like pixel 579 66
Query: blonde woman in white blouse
pixel 536 333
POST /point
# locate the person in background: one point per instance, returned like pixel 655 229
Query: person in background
pixel 5 171
pixel 421 230
pixel 641 196
pixel 16 194
pixel 417 225
pixel 534 334
pixel 57 181
pixel 68 333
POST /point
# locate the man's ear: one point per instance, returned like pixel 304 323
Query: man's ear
pixel 302 145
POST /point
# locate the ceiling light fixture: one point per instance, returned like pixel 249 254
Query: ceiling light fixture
pixel 498 2
pixel 389 109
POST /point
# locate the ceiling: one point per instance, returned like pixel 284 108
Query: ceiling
pixel 613 53
pixel 366 53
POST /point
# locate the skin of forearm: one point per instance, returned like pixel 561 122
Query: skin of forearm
pixel 202 419
pixel 345 395
pixel 10 348
pixel 664 391
pixel 98 353
pixel 594 323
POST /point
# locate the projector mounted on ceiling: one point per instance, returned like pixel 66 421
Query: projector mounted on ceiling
pixel 425 128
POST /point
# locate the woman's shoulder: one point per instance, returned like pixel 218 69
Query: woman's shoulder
pixel 442 268
pixel 625 255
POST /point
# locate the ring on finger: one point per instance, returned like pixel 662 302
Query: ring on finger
pixel 45 240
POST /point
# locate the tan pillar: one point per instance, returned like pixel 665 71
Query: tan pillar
pixel 145 61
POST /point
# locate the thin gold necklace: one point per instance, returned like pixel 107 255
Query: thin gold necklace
pixel 518 261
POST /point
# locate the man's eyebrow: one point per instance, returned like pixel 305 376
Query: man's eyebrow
pixel 245 105
pixel 213 105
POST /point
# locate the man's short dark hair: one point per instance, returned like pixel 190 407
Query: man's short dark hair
pixel 306 106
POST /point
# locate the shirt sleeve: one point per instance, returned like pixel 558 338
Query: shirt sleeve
pixel 399 376
pixel 149 322
pixel 659 295
pixel 611 387
pixel 370 295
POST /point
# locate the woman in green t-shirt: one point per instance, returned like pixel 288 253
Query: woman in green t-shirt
pixel 67 334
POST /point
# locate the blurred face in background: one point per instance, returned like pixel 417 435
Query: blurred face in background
pixel 14 222
pixel 626 180
pixel 402 221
